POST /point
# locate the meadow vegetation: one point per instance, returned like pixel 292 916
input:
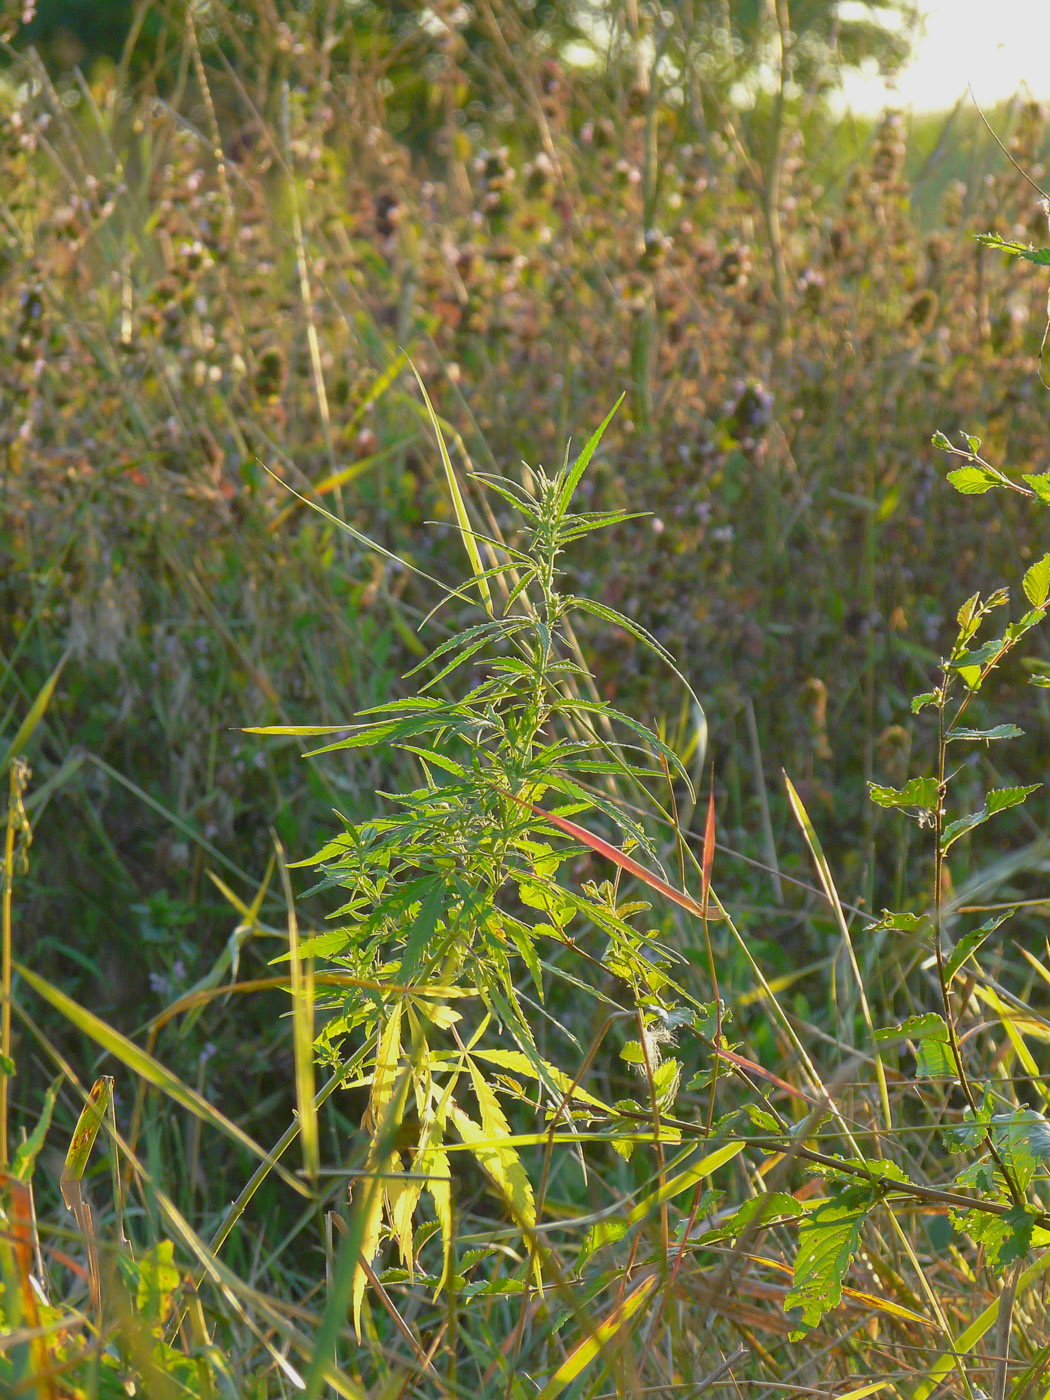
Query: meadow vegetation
pixel 665 1009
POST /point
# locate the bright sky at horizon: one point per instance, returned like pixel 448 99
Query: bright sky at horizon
pixel 999 48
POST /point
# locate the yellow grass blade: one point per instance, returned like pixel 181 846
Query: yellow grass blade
pixel 585 1352
pixel 685 1179
pixel 458 503
pixel 302 978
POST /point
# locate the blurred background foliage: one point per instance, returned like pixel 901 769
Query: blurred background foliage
pixel 222 226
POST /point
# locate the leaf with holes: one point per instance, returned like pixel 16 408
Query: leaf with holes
pixel 827 1241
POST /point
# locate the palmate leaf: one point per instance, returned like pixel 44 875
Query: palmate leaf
pixel 617 619
pixel 827 1241
pixel 498 1159
pixel 603 848
pixel 484 630
pixel 402 1195
pixel 540 1070
pixel 386 1099
pixel 424 926
pixel 583 707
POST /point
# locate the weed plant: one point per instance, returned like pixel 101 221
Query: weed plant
pixel 564 1203
pixel 655 1121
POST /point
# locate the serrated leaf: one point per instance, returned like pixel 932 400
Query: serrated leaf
pixel 918 792
pixel 1039 256
pixel 666 1078
pixel 1023 1140
pixel 25 1156
pixel 573 475
pixel 458 503
pixel 763 1119
pixel 919 702
pixel 901 922
pixel 1040 484
pixel 501 1161
pixel 979 655
pixel 933 1055
pixel 432 1163
pixel 828 1238
pixel 758 1211
pixel 1037 582
pixel 1006 1238
pixel 998 731
pixel 603 1233
pixel 998 800
pixel 970 942
pixel 423 927
pixel 966 614
pixel 974 481
pixel 517 1062
pixel 973 442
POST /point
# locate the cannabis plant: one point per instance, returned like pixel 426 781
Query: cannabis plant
pixel 458 911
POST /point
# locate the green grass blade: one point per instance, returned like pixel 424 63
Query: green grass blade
pixel 35 715
pixel 137 1061
pixel 458 503
pixel 827 880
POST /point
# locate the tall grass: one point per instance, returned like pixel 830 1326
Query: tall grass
pixel 211 283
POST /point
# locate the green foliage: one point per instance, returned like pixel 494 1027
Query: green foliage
pixel 827 1241
pixel 444 892
pixel 558 1050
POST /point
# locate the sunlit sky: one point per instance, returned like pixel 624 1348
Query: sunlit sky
pixel 998 46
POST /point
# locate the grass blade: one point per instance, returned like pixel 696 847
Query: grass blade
pixel 458 503
pixel 137 1061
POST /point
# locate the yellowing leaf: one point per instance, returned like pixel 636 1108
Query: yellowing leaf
pixel 402 1197
pixel 432 1164
pixel 388 1054
pixel 500 1162
pixel 158 1280
pixel 371 1204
